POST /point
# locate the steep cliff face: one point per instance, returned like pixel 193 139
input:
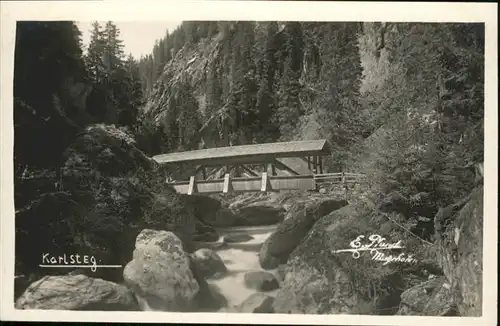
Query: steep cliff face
pixel 459 233
pixel 256 82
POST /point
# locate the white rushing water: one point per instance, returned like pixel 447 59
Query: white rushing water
pixel 241 258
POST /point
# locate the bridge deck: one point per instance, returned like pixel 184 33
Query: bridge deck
pixel 265 183
pixel 252 184
pixel 298 160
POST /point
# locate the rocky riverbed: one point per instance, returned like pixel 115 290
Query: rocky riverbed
pixel 288 267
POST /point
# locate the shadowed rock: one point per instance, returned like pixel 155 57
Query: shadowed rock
pixel 459 239
pixel 76 292
pixel 299 220
pixel 260 280
pixel 320 281
pixel 256 303
pixel 237 238
pixel 208 263
pixel 431 298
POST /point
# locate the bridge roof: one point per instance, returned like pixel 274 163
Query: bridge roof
pixel 246 154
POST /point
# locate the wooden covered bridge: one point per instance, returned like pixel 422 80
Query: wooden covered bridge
pixel 296 165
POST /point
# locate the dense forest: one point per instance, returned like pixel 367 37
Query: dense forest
pixel 403 102
pixel 400 102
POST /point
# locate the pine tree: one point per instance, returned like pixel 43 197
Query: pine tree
pixel 340 79
pixel 289 106
pixel 113 48
pixel 96 52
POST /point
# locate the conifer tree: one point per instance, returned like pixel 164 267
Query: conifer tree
pixel 95 53
pixel 113 47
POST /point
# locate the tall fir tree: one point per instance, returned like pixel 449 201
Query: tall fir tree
pixel 96 52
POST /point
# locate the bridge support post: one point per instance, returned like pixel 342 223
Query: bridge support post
pixel 271 168
pixel 264 182
pixel 192 185
pixel 227 185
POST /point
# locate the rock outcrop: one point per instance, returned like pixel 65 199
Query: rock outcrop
pixel 319 280
pixel 431 298
pixel 208 263
pixel 237 238
pixel 299 220
pixel 259 213
pixel 245 210
pixel 261 281
pixel 459 239
pixel 257 303
pixel 205 209
pixel 76 292
pixel 160 272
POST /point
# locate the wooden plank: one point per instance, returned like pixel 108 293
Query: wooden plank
pixel 279 149
pixel 264 184
pixel 253 184
pixel 227 180
pixel 192 185
pixel 214 172
pixel 242 159
pixel 283 166
pixel 249 171
pixel 320 164
pixel 293 183
pixel 327 174
pixel 304 158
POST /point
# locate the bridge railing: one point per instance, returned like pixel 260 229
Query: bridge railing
pixel 265 183
pixel 339 177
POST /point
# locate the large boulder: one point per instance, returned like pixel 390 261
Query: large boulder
pixel 249 198
pixel 237 238
pixel 266 260
pixel 256 303
pixel 431 298
pixel 280 273
pixel 261 281
pixel 320 280
pixel 209 297
pixel 459 239
pixel 208 263
pixel 205 208
pixel 224 218
pixel 204 232
pixel 259 213
pixel 299 220
pixel 76 292
pixel 160 272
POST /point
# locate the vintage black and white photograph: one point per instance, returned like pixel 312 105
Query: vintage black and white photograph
pixel 248 166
